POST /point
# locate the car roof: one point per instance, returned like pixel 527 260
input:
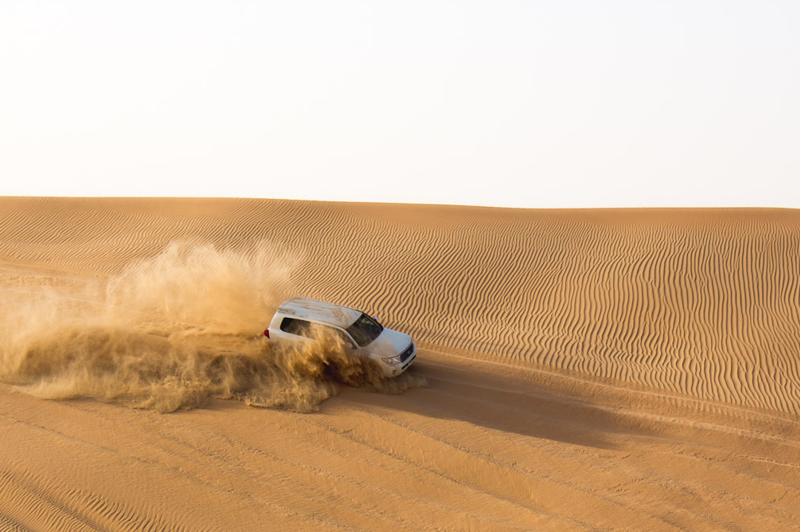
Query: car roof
pixel 319 311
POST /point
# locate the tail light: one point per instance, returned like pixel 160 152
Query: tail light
pixel 266 333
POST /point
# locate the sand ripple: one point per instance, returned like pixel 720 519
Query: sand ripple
pixel 699 302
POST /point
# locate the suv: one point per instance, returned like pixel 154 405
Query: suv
pixel 295 319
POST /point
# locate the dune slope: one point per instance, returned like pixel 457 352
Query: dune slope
pixel 619 369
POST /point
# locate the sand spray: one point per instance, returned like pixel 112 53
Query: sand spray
pixel 174 330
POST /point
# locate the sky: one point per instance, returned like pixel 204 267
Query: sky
pixel 510 103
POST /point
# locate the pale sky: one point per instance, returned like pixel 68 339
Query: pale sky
pixel 539 104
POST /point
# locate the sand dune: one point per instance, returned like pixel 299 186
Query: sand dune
pixel 617 369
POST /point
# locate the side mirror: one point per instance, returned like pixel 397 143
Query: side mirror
pixel 376 318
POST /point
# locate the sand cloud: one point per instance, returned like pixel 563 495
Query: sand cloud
pixel 172 331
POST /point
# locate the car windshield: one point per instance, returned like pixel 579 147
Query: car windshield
pixel 364 330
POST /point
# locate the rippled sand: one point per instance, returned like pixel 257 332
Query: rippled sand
pixel 578 369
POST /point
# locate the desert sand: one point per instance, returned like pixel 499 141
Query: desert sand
pixel 577 370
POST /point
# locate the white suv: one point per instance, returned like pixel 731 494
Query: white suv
pixel 392 350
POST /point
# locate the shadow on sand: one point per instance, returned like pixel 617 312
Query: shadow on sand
pixel 500 402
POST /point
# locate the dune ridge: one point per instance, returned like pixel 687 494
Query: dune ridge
pixel 578 370
pixel 698 302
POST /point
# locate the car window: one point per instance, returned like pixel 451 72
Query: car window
pixel 304 328
pixel 364 330
pixel 295 326
pixel 338 333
